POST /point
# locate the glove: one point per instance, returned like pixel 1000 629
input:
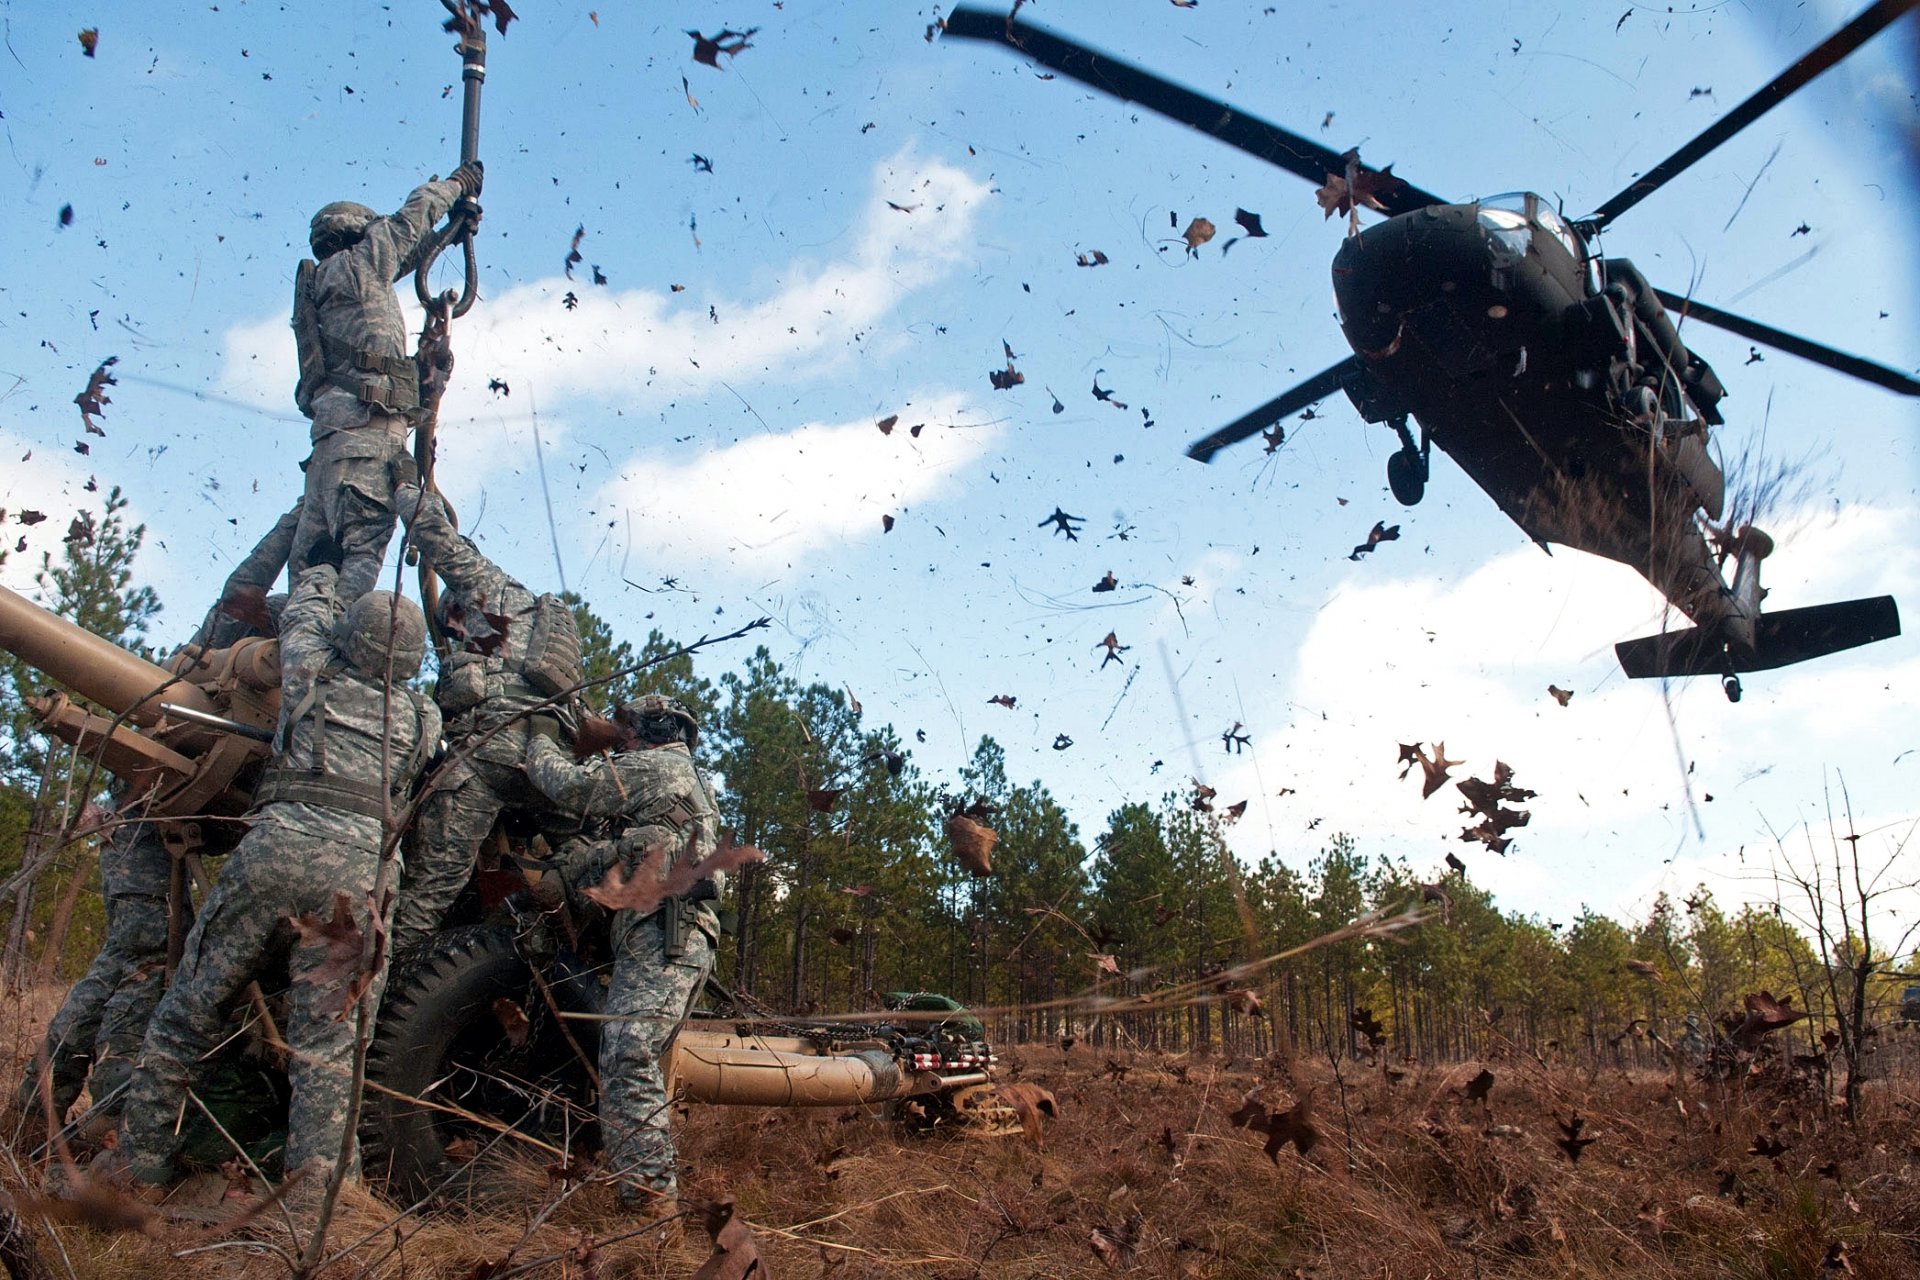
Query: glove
pixel 469 176
pixel 402 470
pixel 544 725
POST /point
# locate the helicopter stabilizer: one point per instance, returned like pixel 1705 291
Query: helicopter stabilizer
pixel 1780 639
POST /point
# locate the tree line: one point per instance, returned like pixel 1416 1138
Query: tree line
pixel 859 893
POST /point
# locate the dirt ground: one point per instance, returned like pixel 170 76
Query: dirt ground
pixel 1142 1170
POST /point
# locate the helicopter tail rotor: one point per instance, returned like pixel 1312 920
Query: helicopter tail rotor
pixel 1780 639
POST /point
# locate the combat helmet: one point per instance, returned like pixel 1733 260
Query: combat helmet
pixel 658 718
pixel 379 621
pixel 338 224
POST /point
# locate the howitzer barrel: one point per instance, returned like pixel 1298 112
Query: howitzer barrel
pixel 100 670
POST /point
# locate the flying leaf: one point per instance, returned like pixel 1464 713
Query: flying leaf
pixel 1002 700
pixel 886 524
pixel 1480 1086
pixel 1381 532
pixel 1293 1125
pixel 735 1254
pixel 573 252
pixel 1105 963
pixel 1198 232
pixel 1093 259
pixel 707 49
pixel 89 40
pixel 1572 1143
pixel 886 424
pixel 972 842
pixel 1010 377
pixel 1434 768
pixel 1249 223
pixel 513 1021
pixel 824 799
pixel 644 891
pixel 93 398
pixel 1644 969
pixel 1033 1104
pixel 1561 696
pixel 1107 583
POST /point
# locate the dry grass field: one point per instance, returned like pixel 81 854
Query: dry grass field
pixel 1142 1171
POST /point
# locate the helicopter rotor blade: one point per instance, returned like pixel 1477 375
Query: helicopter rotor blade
pixel 1299 156
pixel 1318 387
pixel 1853 366
pixel 1782 86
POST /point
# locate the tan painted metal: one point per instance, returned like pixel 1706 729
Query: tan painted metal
pixel 98 669
pixel 723 1067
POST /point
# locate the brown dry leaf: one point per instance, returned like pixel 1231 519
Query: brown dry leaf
pixel 1105 963
pixel 1198 232
pixel 1002 700
pixel 1244 1001
pixel 972 842
pixel 1358 186
pixel 1644 969
pixel 735 1256
pixel 1434 768
pixel 1094 259
pixel 1034 1105
pixel 513 1021
pixel 1381 532
pixel 644 891
pixel 1561 696
pixel 1764 1014
pixel 886 424
pixel 824 799
pixel 1118 1245
pixel 1008 379
pixel 93 398
pixel 89 40
pixel 1572 1143
pixel 91 1203
pixel 707 49
pixel 340 942
pixel 1293 1125
pixel 1480 1086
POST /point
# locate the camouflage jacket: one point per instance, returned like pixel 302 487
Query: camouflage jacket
pixel 652 796
pixel 261 567
pixel 353 290
pixel 333 721
pixel 477 588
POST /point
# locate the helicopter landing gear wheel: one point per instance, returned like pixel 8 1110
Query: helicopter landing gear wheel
pixel 1406 477
pixel 1731 683
pixel 1407 467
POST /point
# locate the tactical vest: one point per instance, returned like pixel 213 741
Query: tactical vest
pixel 317 785
pixel 389 383
pixel 552 664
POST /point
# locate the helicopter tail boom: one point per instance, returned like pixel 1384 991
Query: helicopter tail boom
pixel 1780 639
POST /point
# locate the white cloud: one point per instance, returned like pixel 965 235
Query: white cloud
pixel 1469 661
pixel 771 499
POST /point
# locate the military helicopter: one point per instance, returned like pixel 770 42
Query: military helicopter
pixel 1552 375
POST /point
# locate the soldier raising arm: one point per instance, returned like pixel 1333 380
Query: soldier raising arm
pixel 357 378
pixel 510 652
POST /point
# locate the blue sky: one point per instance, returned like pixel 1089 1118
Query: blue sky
pixel 709 414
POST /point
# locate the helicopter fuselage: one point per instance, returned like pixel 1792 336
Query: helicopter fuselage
pixel 1551 376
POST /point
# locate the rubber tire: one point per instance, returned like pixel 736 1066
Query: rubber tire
pixel 434 1011
pixel 1406 477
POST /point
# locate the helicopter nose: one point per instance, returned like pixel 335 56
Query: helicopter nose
pixel 1402 265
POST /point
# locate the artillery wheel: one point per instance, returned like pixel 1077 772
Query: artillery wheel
pixel 1407 477
pixel 445 1078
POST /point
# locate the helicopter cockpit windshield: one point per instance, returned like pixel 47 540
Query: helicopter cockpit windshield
pixel 1511 213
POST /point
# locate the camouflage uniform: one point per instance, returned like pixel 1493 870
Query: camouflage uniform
pixel 359 409
pixel 105 1013
pixel 104 1018
pixel 482 688
pixel 317 831
pixel 660 964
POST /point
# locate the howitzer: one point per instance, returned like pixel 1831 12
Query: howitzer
pixel 148 724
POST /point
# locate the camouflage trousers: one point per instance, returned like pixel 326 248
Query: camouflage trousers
pixel 445 843
pixel 96 1035
pixel 242 934
pixel 349 498
pixel 649 996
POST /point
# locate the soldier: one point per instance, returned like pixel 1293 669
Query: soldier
pixel 357 381
pixel 511 651
pixel 351 740
pixel 101 1024
pixel 655 797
